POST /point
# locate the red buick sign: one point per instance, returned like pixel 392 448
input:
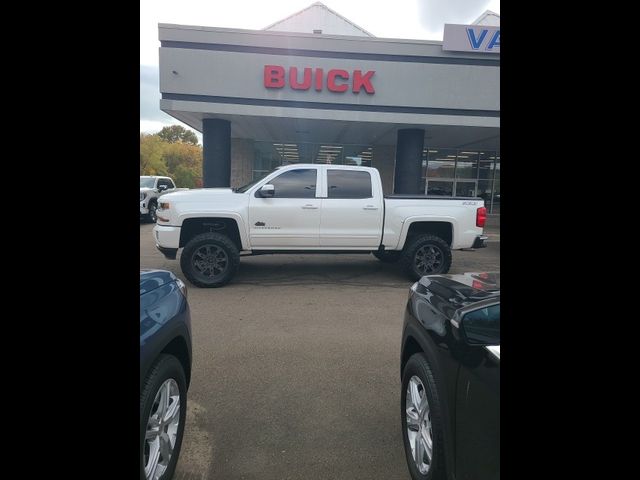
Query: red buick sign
pixel 336 80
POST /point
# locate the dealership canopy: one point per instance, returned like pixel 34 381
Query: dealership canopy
pixel 317 79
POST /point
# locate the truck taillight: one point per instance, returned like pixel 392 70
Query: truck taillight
pixel 481 216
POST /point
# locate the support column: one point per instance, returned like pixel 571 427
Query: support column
pixel 216 153
pixel 409 146
pixel 242 159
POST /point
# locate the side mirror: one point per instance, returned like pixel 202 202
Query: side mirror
pixel 267 190
pixel 480 325
pixel 162 188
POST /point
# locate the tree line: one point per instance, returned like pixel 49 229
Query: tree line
pixel 174 152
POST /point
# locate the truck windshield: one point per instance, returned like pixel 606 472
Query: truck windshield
pixel 147 182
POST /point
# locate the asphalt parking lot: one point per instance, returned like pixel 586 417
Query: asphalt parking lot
pixel 296 366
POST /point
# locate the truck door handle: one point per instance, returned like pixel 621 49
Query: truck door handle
pixel 309 207
pixel 369 207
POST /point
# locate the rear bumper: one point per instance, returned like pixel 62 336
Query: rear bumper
pixel 480 241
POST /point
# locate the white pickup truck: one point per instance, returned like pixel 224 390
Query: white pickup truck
pixel 152 187
pixel 313 208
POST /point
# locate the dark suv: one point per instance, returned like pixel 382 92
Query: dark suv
pixel 165 371
pixel 450 370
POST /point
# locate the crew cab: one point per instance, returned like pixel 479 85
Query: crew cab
pixel 314 208
pixel 450 374
pixel 152 187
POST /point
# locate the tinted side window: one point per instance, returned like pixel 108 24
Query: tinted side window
pixel 296 184
pixel 348 184
pixel 483 324
pixel 164 181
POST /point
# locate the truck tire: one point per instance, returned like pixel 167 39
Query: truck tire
pixel 426 255
pixel 390 256
pixel 210 260
pixel 153 206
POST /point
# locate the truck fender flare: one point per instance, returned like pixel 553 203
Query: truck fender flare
pixel 420 218
pixel 242 229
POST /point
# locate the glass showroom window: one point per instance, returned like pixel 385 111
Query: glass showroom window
pixel 485 189
pixel 489 179
pixel 495 206
pixel 440 175
pixel 270 155
pixel 466 173
pixel 486 167
pixel 467 165
pixel 328 154
pixel 358 155
pixel 423 179
pixel 289 153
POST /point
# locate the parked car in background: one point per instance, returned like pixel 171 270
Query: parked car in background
pixel 450 371
pixel 314 208
pixel 151 188
pixel 165 371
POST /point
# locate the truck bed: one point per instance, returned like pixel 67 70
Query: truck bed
pixel 459 212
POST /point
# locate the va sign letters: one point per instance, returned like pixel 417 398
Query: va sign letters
pixel 471 38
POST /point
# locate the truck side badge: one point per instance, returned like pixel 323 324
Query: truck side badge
pixel 260 224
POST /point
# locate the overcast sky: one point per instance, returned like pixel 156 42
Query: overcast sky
pixel 415 19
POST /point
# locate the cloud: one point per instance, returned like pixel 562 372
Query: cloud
pixel 433 14
pixel 150 95
pixel 152 119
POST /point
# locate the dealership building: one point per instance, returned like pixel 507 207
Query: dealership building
pixel 317 88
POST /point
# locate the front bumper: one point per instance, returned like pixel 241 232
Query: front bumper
pixel 169 253
pixel 480 242
pixel 143 208
pixel 167 236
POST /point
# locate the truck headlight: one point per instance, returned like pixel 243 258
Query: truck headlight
pixel 160 212
pixel 142 196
